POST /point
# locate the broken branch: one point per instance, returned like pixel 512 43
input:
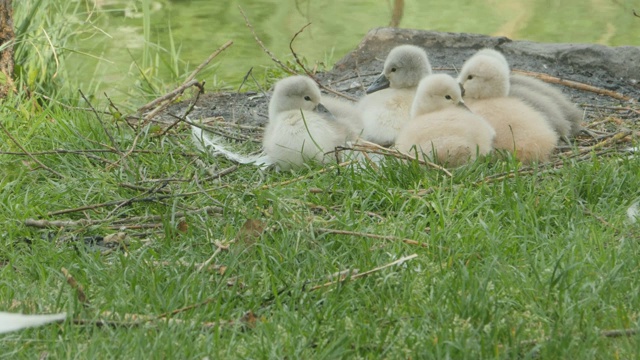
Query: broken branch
pixel 82 297
pixel 28 154
pixel 573 84
pixel 366 273
pixel 373 236
pixel 309 73
pixel 264 48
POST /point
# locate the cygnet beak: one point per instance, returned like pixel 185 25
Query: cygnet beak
pixel 380 83
pixel 461 89
pixel 462 104
pixel 323 110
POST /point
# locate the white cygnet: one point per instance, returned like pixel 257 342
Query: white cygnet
pixel 562 114
pixel 442 127
pixel 519 127
pixel 300 128
pixel 346 113
pixel 386 107
pixel 556 98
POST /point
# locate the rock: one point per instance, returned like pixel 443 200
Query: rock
pixel 611 68
pixel 579 62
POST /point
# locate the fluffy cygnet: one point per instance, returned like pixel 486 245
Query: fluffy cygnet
pixel 386 107
pixel 346 113
pixel 570 113
pixel 564 116
pixel 519 127
pixel 442 127
pixel 300 128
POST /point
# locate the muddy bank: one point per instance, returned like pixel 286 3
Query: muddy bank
pixel 610 68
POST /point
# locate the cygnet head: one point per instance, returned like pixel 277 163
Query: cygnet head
pixel 405 66
pixel 484 77
pixel 436 92
pixel 294 93
pixel 494 53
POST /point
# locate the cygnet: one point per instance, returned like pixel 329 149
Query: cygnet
pixel 300 128
pixel 386 107
pixel 442 127
pixel 563 115
pixel 346 113
pixel 519 127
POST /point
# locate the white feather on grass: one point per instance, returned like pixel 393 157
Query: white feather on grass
pixel 12 322
pixel 214 146
pixel 633 212
pixel 633 150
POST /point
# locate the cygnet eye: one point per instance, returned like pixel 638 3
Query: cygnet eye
pixel 308 98
pixel 393 69
pixel 448 97
pixel 469 77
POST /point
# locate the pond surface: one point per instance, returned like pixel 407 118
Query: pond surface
pixel 198 27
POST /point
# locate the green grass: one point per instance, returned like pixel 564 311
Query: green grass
pixel 534 265
pixel 548 256
pixel 44 36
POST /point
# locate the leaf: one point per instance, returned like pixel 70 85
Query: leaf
pixel 250 231
pixel 221 269
pixel 249 318
pixel 183 226
pixel 11 322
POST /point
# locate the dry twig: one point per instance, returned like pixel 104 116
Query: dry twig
pixel 224 172
pixel 364 146
pixel 153 190
pixel 162 102
pixel 582 154
pixel 134 320
pixel 82 297
pixel 111 138
pixel 614 108
pixel 118 114
pixel 219 248
pixel 66 106
pixel 144 189
pixel 186 308
pixel 373 236
pixel 127 154
pixel 128 201
pixel 188 82
pixel 309 73
pixel 88 151
pixel 615 333
pixel 28 154
pixel 264 48
pixel 327 169
pixel 613 139
pixel 192 105
pixel 295 55
pixel 43 224
pixel 366 273
pixel 223 133
pixel 574 84
pixel 168 98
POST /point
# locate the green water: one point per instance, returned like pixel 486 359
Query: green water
pixel 198 27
